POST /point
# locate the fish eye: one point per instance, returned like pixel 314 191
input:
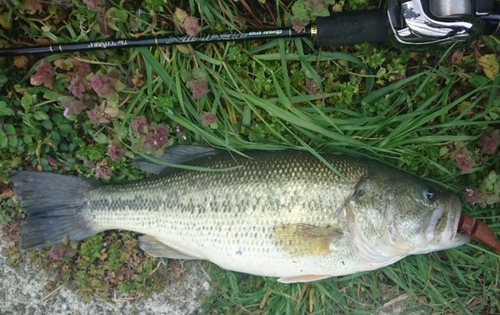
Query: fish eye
pixel 429 194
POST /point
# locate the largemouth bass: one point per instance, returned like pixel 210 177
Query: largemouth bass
pixel 282 214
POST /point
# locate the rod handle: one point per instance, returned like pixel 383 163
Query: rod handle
pixel 349 28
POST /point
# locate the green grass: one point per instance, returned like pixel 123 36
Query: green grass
pixel 408 109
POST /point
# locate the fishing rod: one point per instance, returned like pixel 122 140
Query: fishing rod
pixel 407 24
pixel 352 27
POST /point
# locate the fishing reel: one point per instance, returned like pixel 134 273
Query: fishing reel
pixel 415 23
pixel 412 24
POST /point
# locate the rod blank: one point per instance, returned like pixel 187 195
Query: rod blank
pixel 157 41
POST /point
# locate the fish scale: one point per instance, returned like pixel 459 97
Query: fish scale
pixel 206 209
pixel 284 214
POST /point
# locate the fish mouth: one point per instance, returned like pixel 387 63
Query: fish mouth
pixel 454 237
pixel 442 226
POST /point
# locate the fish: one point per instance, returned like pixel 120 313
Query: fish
pixel 285 214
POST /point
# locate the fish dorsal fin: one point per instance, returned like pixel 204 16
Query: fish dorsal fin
pixel 152 246
pixel 302 240
pixel 179 154
pixel 304 278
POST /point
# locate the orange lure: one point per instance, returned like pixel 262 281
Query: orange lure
pixel 479 232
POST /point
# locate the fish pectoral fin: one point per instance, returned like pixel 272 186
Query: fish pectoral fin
pixel 306 239
pixel 304 278
pixel 152 246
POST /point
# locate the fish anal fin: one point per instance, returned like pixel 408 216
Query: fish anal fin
pixel 304 240
pixel 304 278
pixel 153 247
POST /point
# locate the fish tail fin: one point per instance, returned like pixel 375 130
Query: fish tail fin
pixel 54 205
